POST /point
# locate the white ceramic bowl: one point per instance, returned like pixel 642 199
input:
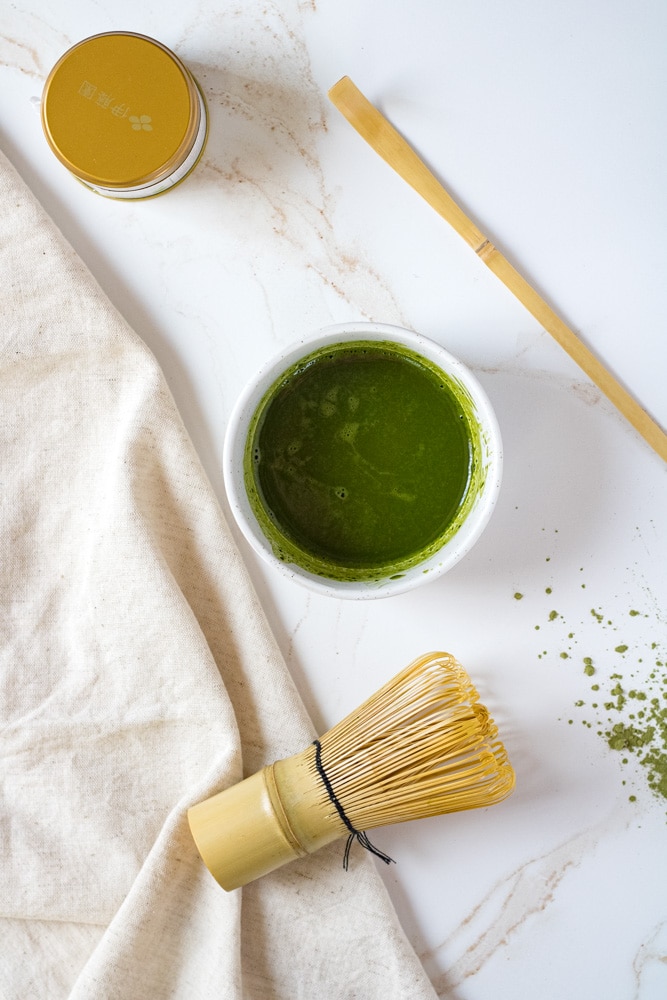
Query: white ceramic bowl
pixel 488 479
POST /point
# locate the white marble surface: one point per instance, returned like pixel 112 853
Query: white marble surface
pixel 547 122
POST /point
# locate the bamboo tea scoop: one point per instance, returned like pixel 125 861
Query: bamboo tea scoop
pixel 393 148
pixel 421 746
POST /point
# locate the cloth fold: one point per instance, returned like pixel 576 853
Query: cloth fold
pixel 138 675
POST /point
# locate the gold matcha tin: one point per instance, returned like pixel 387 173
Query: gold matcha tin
pixel 124 115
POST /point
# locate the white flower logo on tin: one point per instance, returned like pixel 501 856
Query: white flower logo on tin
pixel 140 122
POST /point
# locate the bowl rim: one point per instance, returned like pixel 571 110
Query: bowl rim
pixel 234 450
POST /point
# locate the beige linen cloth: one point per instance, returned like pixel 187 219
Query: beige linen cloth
pixel 138 676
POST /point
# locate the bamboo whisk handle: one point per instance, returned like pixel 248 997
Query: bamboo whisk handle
pixel 273 817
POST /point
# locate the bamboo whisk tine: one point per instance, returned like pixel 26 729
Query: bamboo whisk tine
pixel 422 745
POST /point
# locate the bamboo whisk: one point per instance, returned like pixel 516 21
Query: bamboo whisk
pixel 421 746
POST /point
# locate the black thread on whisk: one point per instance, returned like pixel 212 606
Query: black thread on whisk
pixel 355 834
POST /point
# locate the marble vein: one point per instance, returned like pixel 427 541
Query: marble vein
pixel 511 904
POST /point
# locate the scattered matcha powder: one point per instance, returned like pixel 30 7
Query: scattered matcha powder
pixel 635 719
pixel 636 716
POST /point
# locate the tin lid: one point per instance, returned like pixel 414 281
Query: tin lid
pixel 120 110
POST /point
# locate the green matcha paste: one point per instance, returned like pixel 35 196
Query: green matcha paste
pixel 362 460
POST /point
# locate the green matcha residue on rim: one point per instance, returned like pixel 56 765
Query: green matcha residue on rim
pixel 362 460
